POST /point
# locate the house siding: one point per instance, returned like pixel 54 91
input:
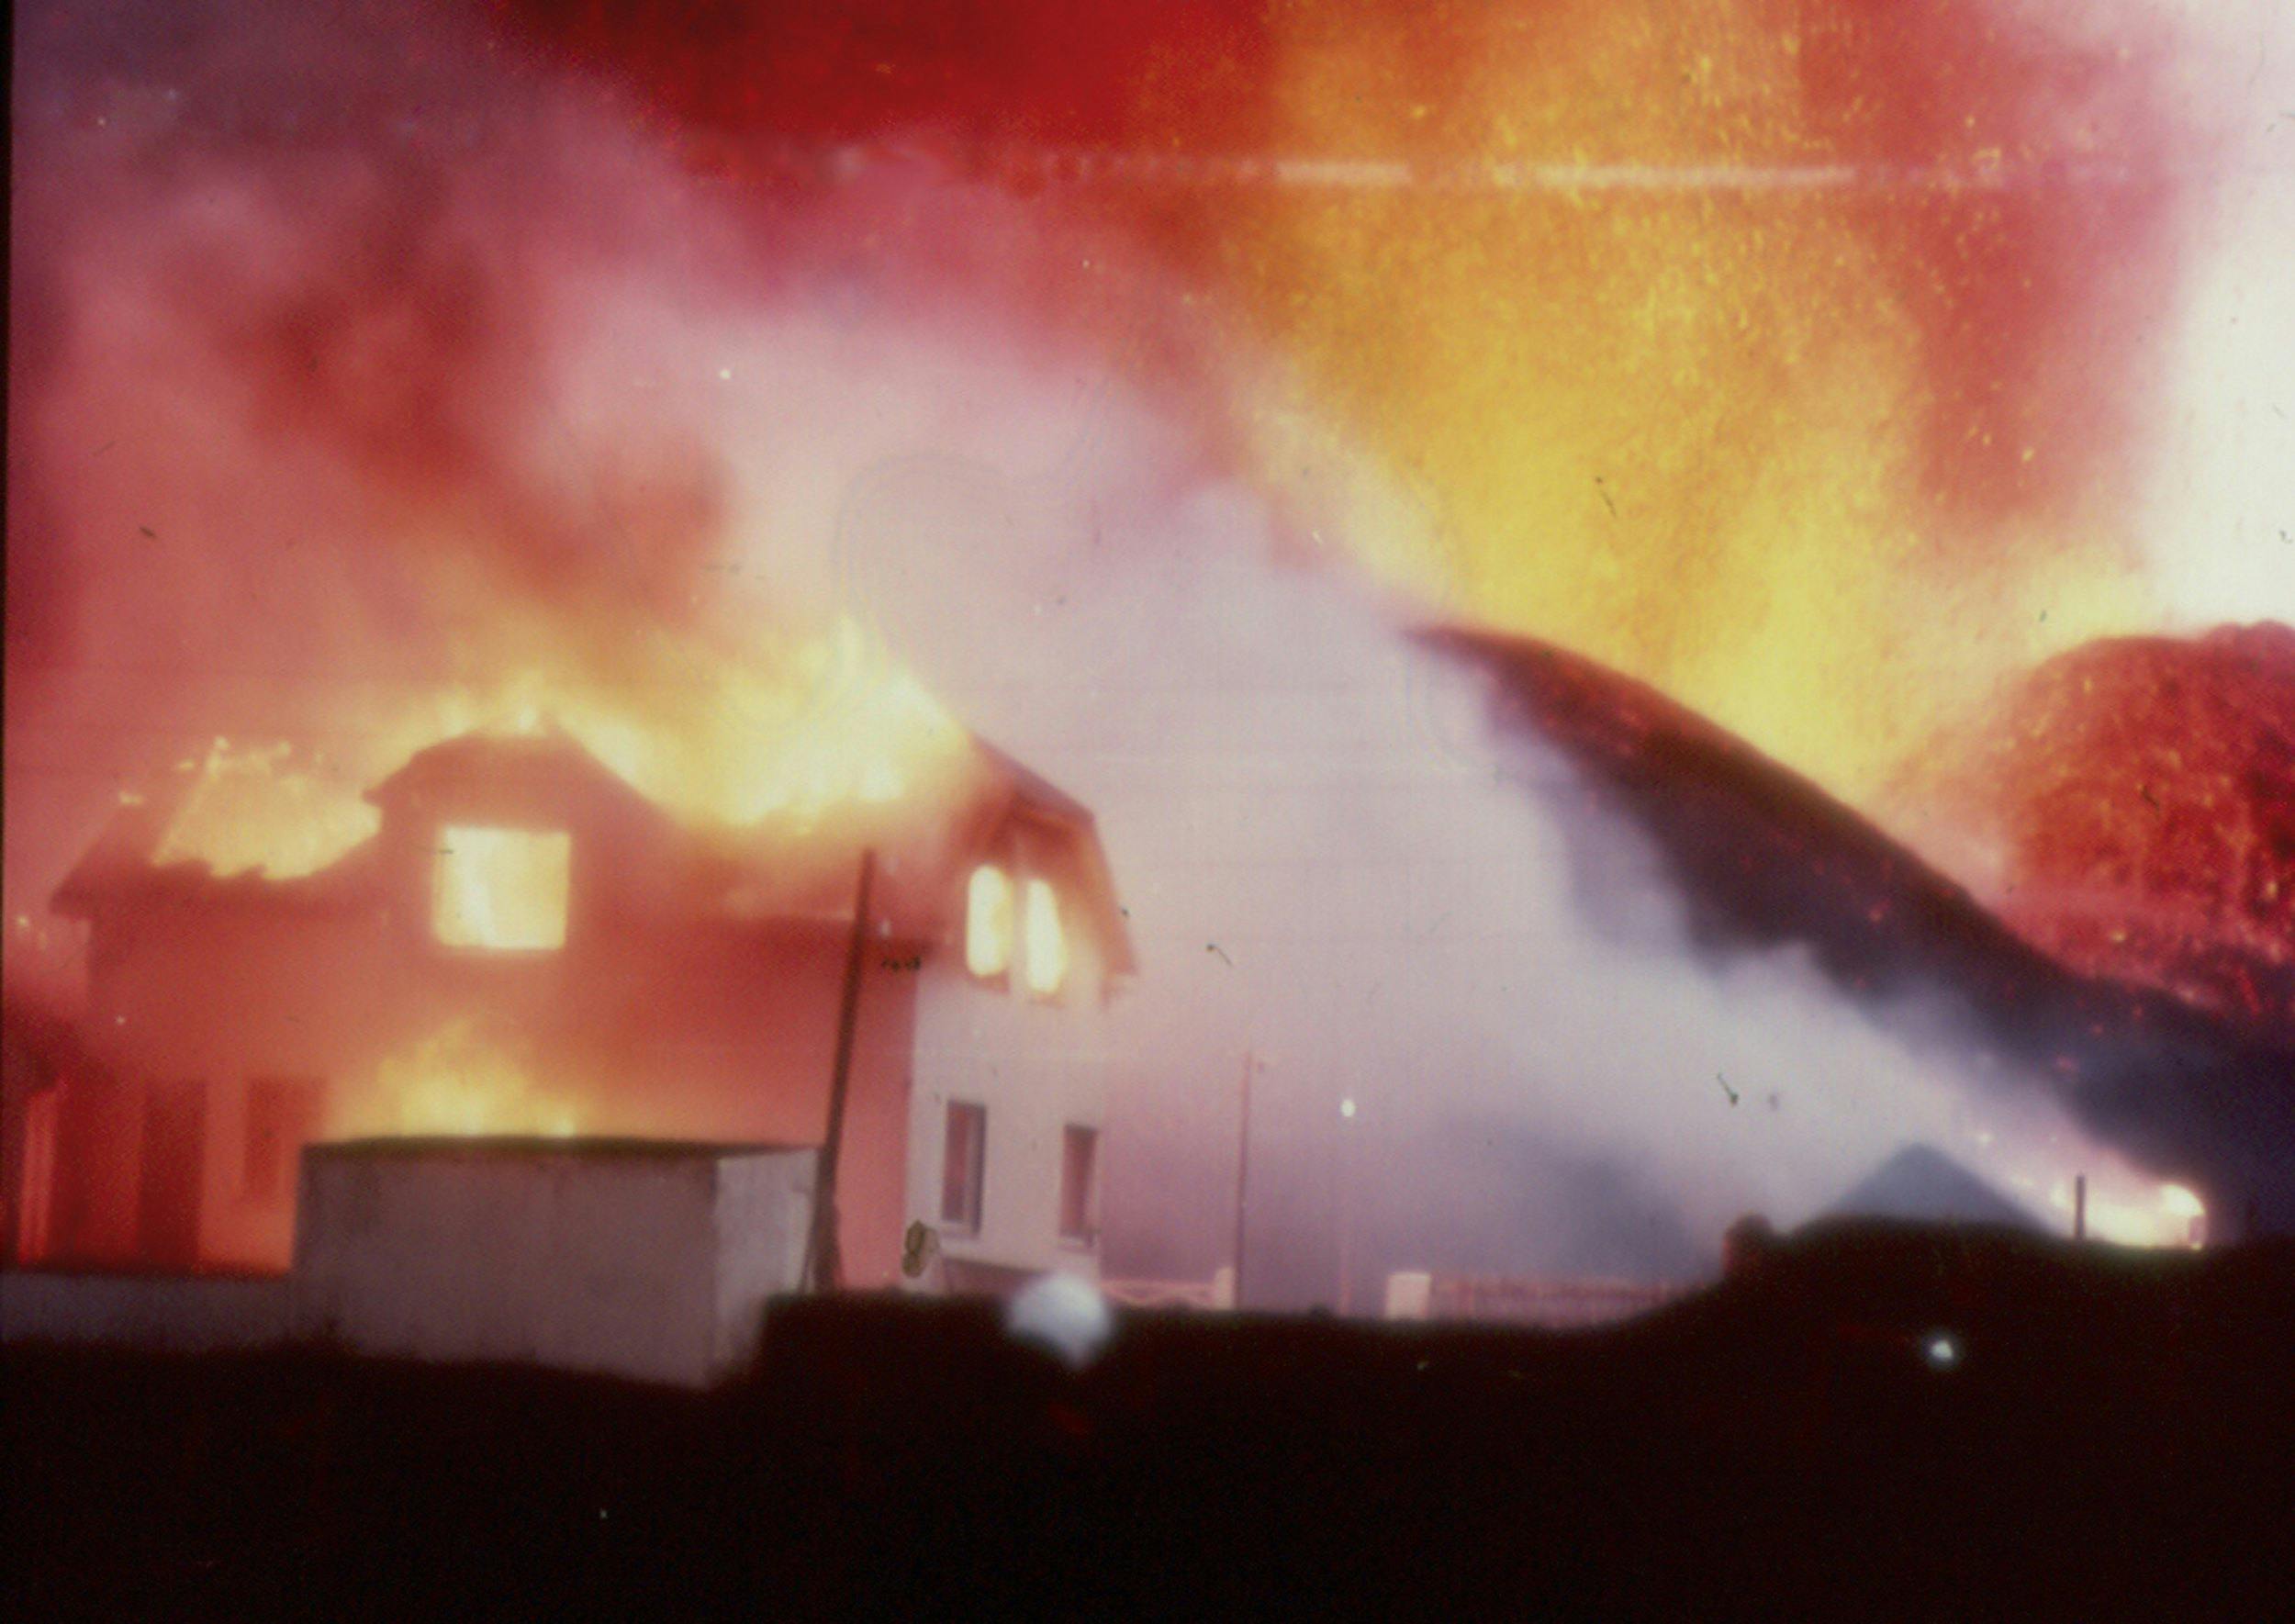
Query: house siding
pixel 1037 1068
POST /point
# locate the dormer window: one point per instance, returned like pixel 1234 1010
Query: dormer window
pixel 503 889
pixel 1047 940
pixel 987 922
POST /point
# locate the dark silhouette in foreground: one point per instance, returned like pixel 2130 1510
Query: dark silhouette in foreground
pixel 1866 1419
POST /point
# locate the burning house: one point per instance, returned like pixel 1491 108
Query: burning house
pixel 526 944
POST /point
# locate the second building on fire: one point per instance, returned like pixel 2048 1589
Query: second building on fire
pixel 529 946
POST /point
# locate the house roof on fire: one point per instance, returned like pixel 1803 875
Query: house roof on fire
pixel 778 870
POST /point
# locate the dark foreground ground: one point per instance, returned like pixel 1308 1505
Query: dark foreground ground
pixel 2115 1439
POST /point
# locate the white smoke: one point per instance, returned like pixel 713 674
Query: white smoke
pixel 1329 866
pixel 1333 867
pixel 2219 524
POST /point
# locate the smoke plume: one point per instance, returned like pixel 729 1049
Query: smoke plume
pixel 363 355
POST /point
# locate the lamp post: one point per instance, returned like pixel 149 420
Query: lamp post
pixel 1346 1206
pixel 1251 1063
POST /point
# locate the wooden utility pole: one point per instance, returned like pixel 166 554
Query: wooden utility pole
pixel 824 1267
pixel 2079 1206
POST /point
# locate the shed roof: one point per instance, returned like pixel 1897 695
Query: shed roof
pixel 1923 1182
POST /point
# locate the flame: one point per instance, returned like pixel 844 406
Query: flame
pixel 455 1083
pixel 987 922
pixel 257 807
pixel 2130 1215
pixel 747 739
pixel 1720 355
pixel 1048 943
pixel 2179 1202
pixel 504 888
pixel 792 732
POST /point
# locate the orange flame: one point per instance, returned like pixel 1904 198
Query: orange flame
pixel 255 806
pixel 455 1083
pixel 502 888
pixel 2130 1214
pixel 733 739
pixel 1691 360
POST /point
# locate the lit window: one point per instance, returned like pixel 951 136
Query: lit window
pixel 1079 1154
pixel 501 888
pixel 987 922
pixel 1047 944
pixel 963 1158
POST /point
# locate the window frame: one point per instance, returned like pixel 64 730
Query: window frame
pixel 1086 1235
pixel 964 1191
pixel 441 852
pixel 1031 887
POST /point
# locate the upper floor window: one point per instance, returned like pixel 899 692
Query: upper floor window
pixel 987 922
pixel 1047 940
pixel 503 888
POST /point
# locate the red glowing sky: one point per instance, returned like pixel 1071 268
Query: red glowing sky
pixel 1877 440
pixel 1812 361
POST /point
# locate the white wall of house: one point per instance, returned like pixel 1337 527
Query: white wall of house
pixel 1039 1066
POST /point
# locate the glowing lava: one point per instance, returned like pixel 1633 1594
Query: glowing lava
pixel 1774 383
pixel 2132 813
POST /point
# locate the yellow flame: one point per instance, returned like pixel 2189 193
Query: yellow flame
pixel 455 1083
pixel 735 738
pixel 1048 943
pixel 503 888
pixel 2166 1216
pixel 987 922
pixel 738 741
pixel 255 807
pixel 1678 427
